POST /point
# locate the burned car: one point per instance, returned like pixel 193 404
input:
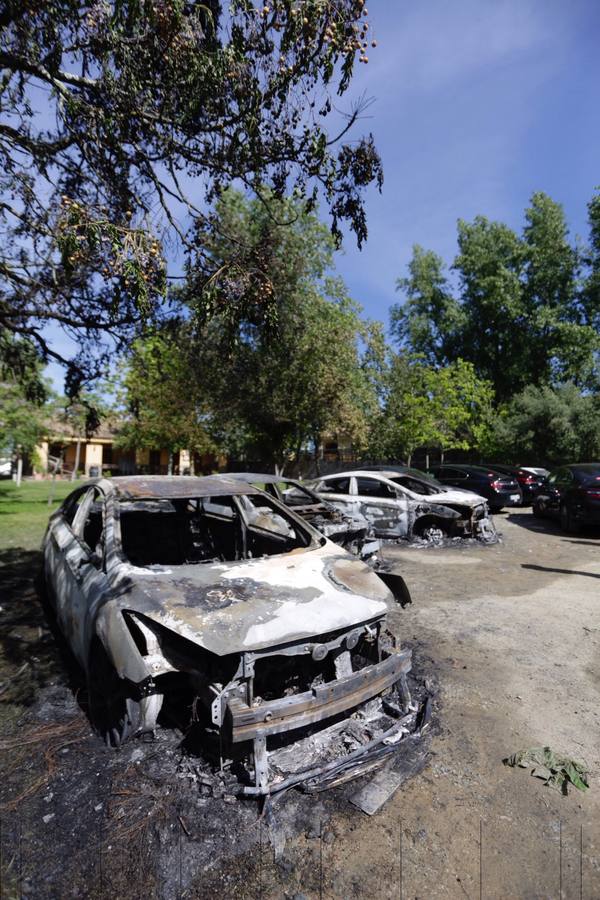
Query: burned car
pixel 403 506
pixel 207 594
pixel 349 530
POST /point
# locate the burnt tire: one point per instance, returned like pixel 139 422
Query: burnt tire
pixel 568 522
pixel 432 531
pixel 115 715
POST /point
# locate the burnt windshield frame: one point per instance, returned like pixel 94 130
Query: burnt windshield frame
pixel 304 537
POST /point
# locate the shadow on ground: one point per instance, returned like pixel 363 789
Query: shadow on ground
pixel 589 535
pixel 30 657
pixel 560 571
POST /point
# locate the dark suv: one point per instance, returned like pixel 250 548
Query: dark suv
pixel 529 483
pixel 498 489
pixel 571 494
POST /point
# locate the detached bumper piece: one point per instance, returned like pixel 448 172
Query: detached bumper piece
pixel 380 715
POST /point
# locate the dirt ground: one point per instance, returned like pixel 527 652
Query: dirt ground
pixel 511 634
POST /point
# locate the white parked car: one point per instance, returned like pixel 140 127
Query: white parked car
pixel 404 506
pixel 5 468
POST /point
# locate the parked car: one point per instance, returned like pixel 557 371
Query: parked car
pixel 499 489
pixel 5 468
pixel 351 531
pixel 537 470
pixel 403 506
pixel 529 482
pixel 400 470
pixel 572 495
pixel 208 594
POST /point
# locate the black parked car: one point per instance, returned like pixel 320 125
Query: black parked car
pixel 498 489
pixel 529 482
pixel 572 495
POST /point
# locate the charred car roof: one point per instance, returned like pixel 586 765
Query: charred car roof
pixel 156 487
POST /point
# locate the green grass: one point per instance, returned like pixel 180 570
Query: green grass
pixel 24 511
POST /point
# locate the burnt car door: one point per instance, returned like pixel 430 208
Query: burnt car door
pixel 385 507
pixel 77 571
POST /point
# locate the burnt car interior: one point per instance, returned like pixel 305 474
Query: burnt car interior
pixel 205 530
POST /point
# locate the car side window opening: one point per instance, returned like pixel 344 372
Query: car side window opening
pixel 564 477
pixel 412 484
pixel 371 487
pixel 71 507
pixel 205 529
pixel 88 522
pixel 335 486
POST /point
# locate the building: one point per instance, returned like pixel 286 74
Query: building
pixel 100 454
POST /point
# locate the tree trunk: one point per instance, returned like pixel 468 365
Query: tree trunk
pixel 192 461
pixel 408 459
pixel 53 484
pixel 442 456
pixel 317 456
pixel 19 469
pixel 170 463
pixel 427 461
pixel 77 457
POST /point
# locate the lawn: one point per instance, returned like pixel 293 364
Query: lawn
pixel 24 511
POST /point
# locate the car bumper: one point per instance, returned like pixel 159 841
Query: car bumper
pixel 353 765
pixel 322 702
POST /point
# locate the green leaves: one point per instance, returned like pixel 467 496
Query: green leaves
pixel 445 407
pixel 554 769
pixel 545 423
pixel 145 100
pixel 525 308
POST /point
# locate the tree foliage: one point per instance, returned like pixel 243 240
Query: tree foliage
pixel 525 308
pixel 121 116
pixel 23 423
pixel 546 425
pixel 161 407
pixel 268 386
pixel 445 407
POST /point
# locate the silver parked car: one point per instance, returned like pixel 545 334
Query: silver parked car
pixel 402 505
pixel 208 591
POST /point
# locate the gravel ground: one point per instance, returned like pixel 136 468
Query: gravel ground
pixel 511 633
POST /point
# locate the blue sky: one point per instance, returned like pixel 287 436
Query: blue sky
pixel 478 103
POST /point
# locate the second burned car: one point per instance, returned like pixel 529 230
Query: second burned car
pixel 403 506
pixel 348 529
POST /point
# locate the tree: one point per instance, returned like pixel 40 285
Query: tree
pixel 520 314
pixel 277 383
pixel 425 406
pixel 119 114
pixel 162 409
pixel 546 425
pixel 22 423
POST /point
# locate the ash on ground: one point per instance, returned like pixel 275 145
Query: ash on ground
pixel 82 820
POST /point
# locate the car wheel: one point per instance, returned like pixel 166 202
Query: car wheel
pixel 539 509
pixel 567 521
pixel 115 716
pixel 433 532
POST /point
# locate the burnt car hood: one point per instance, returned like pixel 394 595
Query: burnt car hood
pixel 249 605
